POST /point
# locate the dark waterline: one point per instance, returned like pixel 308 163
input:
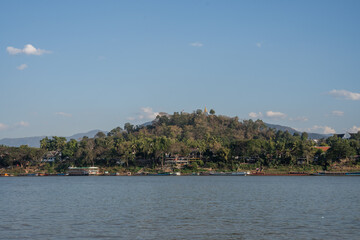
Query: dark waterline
pixel 188 207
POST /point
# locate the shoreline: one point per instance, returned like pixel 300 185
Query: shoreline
pixel 215 174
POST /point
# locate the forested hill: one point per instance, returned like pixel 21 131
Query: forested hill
pixel 35 141
pixel 198 125
pixel 217 142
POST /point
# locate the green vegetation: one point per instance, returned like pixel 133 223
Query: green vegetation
pixel 211 141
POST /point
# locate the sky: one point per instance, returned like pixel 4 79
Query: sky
pixel 68 67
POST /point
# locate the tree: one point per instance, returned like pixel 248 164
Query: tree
pixel 129 127
pixel 54 144
pixel 161 146
pixel 115 131
pixel 70 149
pixel 304 136
pixel 340 149
pixel 212 112
pixel 100 135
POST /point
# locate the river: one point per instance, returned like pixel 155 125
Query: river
pixel 186 207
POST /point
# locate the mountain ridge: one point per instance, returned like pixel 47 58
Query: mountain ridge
pixel 35 141
pixel 292 131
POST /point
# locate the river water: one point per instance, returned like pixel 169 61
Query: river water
pixel 186 207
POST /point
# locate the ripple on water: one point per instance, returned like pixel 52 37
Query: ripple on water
pixel 180 208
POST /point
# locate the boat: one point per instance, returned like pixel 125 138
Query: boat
pixel 330 174
pixel 83 171
pixel 240 173
pixel 229 173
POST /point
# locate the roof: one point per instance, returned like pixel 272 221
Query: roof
pixel 324 148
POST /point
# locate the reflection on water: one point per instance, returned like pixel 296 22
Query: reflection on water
pixel 191 207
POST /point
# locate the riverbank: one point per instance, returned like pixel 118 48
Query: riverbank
pixel 299 170
pixel 324 173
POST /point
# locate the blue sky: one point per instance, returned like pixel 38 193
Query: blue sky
pixel 73 66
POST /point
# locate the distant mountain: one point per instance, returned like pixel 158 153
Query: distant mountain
pixel 17 142
pixel 90 134
pixel 292 131
pixel 35 141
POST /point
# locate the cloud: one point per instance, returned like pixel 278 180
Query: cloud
pixel 271 114
pixel 323 129
pixel 268 114
pixel 196 44
pixel 329 130
pixel 63 114
pixel 13 51
pixel 343 94
pixel 3 126
pixel 299 119
pixel 22 67
pixel 255 115
pixel 13 126
pixel 354 129
pixel 259 44
pixel 22 124
pixel 146 113
pixel 337 113
pixel 28 50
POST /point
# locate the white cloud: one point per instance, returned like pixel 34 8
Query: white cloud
pixel 146 113
pixel 13 126
pixel 323 129
pixel 329 130
pixel 299 119
pixel 63 114
pixel 22 67
pixel 255 115
pixel 22 124
pixel 345 94
pixel 196 44
pixel 271 114
pixel 3 126
pixel 28 50
pixel 13 51
pixel 354 129
pixel 337 113
pixel 259 44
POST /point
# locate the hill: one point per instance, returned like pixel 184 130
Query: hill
pixel 35 141
pixel 292 131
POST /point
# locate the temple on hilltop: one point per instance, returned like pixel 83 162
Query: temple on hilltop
pixel 206 111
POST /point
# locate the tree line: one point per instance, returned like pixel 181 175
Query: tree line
pixel 215 141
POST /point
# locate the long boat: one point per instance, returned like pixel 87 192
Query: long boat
pixel 229 173
pixel 353 174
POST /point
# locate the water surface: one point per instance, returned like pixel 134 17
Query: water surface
pixel 191 207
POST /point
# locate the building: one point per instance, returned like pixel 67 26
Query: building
pixel 51 156
pixel 178 161
pixel 206 111
pixel 83 171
